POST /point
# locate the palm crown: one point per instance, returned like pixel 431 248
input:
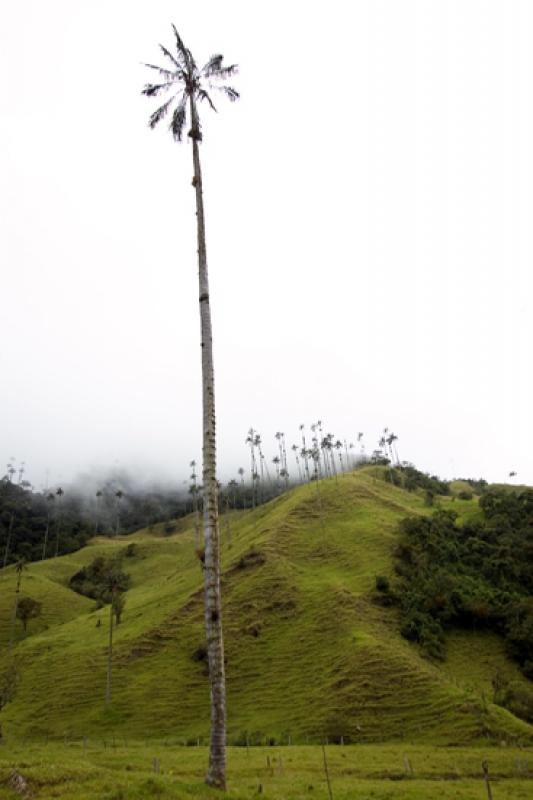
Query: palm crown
pixel 189 84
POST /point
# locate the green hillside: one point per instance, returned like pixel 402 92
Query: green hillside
pixel 309 652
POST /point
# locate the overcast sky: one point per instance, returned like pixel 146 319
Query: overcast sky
pixel 368 207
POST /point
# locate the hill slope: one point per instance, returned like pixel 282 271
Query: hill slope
pixel 308 652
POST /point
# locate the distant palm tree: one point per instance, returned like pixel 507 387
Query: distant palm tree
pixel 50 497
pixel 8 539
pixel 277 461
pixel 11 470
pixel 294 449
pixel 118 497
pixel 99 494
pixel 189 86
pixel 338 448
pixel 114 586
pixel 232 487
pixel 250 439
pixel 20 566
pixel 59 495
pixel 194 491
pixel 304 452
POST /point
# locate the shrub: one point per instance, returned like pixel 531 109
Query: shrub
pixel 200 654
pixel 382 583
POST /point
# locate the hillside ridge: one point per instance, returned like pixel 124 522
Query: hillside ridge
pixel 309 652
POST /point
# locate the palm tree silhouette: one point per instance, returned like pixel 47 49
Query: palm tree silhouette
pixel 189 86
pixel 99 494
pixel 118 497
pixel 49 500
pixel 59 495
pixel 19 567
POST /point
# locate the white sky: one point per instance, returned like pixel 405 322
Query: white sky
pixel 369 206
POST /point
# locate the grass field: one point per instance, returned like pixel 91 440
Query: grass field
pixel 89 771
pixel 309 652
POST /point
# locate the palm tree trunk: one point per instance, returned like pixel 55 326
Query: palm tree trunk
pixel 109 656
pixel 8 540
pixel 216 773
pixel 45 543
pixel 15 605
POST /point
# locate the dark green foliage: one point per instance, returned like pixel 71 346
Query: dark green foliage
pixel 200 654
pixel 130 551
pixel 475 574
pixel 100 579
pixel 30 511
pixel 382 583
pixel 479 485
pixel 412 478
pixel 465 495
pixel 27 609
pixel 9 679
pixel 514 696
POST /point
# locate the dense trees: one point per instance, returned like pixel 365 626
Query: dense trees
pixel 478 574
pixel 30 520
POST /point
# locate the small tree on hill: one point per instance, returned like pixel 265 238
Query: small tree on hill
pixel 114 585
pixel 27 609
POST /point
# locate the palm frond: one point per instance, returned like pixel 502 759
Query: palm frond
pixel 178 119
pixel 214 64
pixel 231 93
pixel 182 50
pixel 169 55
pixel 167 73
pixel 154 89
pixel 203 95
pixel 161 112
pixel 224 72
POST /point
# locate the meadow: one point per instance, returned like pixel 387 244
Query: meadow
pixel 106 770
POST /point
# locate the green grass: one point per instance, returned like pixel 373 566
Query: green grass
pixel 309 654
pixel 92 771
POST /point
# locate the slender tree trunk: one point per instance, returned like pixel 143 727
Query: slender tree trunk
pixel 109 656
pixel 216 773
pixel 45 543
pixel 15 608
pixel 8 540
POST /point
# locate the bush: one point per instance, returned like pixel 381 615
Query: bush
pixel 382 583
pixel 515 697
pixel 464 495
pixel 200 654
pixel 96 579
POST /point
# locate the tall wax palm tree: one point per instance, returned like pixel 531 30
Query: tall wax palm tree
pixel 11 470
pixel 294 449
pixel 250 439
pixel 99 495
pixel 59 495
pixel 188 87
pixel 243 495
pixel 50 497
pixel 304 452
pixel 118 498
pixel 114 586
pixel 193 489
pixel 8 539
pixel 20 565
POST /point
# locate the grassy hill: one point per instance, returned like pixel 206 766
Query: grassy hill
pixel 309 654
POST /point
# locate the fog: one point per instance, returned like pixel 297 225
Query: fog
pixel 368 211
